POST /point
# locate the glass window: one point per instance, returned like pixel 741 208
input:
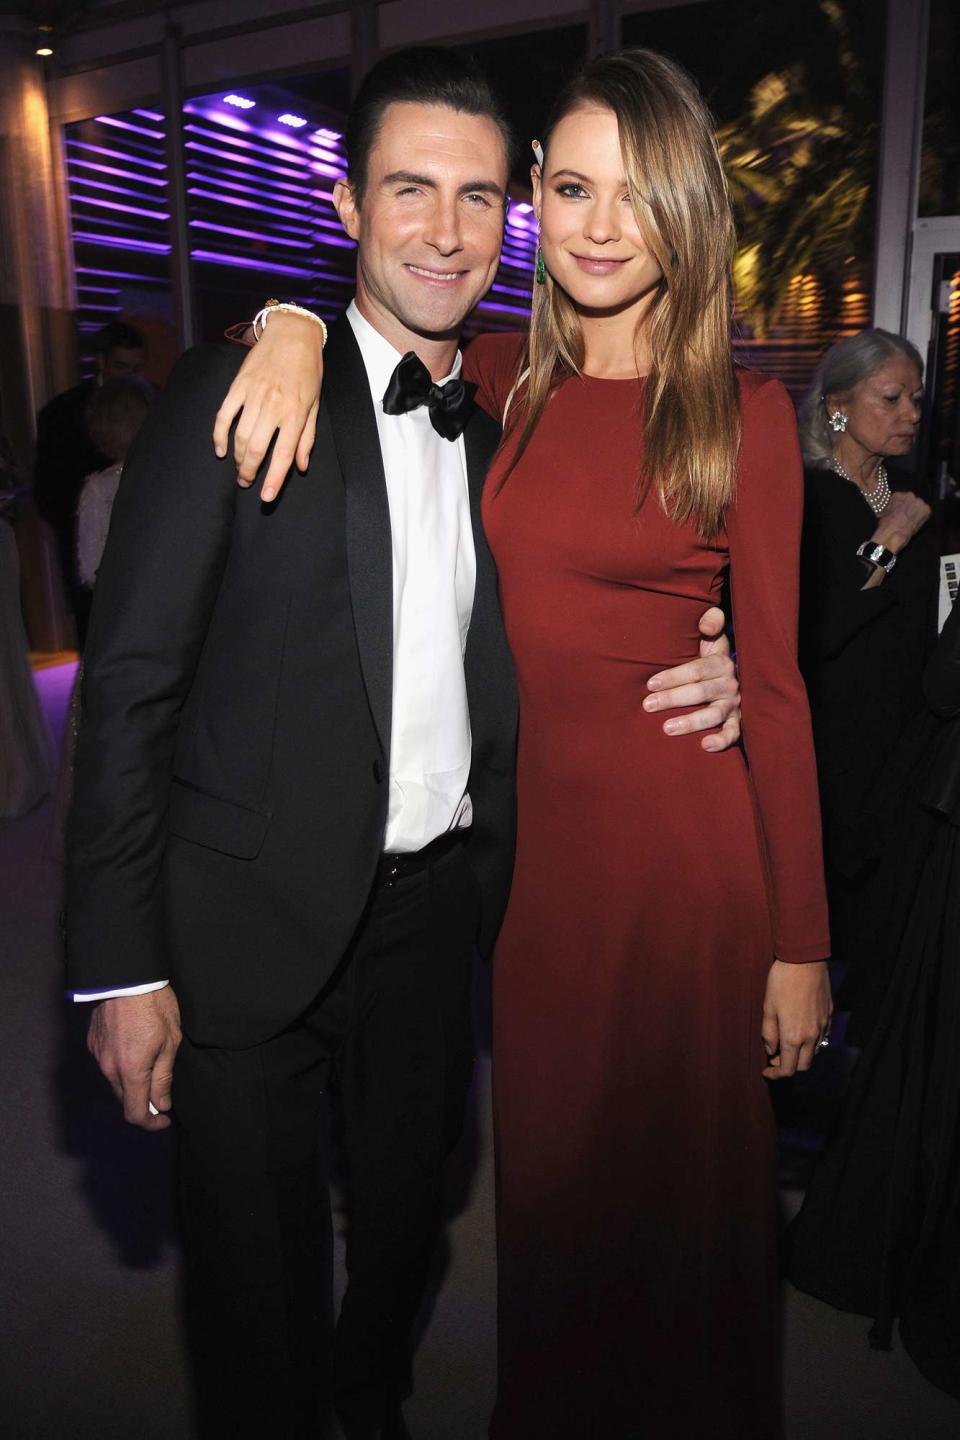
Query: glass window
pixel 260 166
pixel 940 167
pixel 120 223
pixel 796 90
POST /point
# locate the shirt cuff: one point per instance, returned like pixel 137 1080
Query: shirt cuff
pixel 85 996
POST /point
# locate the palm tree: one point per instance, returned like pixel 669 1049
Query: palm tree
pixel 800 171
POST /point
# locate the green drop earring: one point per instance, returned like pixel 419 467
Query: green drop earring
pixel 540 274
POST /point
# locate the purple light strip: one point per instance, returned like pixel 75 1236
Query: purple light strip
pixel 115 205
pixel 115 154
pixel 292 155
pixel 115 170
pixel 150 115
pixel 126 125
pixel 111 189
pixel 207 172
pixel 248 205
pixel 260 208
pixel 120 275
pixel 230 119
pixel 519 259
pixel 243 262
pixel 489 307
pixel 290 146
pixel 241 159
pixel 338 242
pixel 123 242
pixel 271 239
pixel 332 224
pixel 210 174
pixel 518 290
pixel 327 152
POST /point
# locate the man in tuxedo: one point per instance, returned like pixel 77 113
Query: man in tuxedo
pixel 294 802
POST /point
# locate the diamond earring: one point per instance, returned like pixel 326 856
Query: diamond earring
pixel 838 422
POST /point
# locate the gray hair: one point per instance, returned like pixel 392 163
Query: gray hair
pixel 840 371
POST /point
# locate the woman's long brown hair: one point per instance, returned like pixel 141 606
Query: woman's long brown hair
pixel 691 411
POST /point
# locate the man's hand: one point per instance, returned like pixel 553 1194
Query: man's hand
pixel 134 1040
pixel 796 1013
pixel 709 682
pixel 278 390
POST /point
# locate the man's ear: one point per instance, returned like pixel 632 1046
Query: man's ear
pixel 345 204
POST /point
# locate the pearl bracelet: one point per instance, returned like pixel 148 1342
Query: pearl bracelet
pixel 274 306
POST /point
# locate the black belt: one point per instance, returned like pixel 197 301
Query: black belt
pixel 394 867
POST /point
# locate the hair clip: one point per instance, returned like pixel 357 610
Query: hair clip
pixel 537 151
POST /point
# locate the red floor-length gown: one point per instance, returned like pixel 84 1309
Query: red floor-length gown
pixel 654 884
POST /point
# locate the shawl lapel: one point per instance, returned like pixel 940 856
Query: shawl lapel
pixel 485 638
pixel 369 544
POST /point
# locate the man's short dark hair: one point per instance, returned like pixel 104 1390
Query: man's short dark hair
pixel 421 75
pixel 118 335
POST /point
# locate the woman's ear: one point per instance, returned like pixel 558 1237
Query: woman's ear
pixel 536 180
pixel 835 402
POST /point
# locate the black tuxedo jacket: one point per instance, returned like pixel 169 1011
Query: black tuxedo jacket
pixel 233 759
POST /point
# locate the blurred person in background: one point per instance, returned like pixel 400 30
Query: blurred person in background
pixel 879 1232
pixel 117 410
pixel 868 610
pixel 66 453
pixel 25 769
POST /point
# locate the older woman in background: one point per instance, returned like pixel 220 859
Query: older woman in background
pixel 868 609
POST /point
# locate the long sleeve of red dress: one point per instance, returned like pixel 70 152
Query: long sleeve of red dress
pixel 763 530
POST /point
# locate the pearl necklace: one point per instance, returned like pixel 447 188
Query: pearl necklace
pixel 879 497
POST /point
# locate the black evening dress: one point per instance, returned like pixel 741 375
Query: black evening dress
pixel 862 654
pixel 879 1231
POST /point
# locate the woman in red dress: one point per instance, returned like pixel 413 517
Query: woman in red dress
pixel 664 945
pixel 636 1223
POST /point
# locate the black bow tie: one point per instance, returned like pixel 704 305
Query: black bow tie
pixel 410 386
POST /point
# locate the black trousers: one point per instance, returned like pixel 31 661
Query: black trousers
pixel 382 1061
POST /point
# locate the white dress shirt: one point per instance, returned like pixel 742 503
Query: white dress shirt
pixel 434 576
